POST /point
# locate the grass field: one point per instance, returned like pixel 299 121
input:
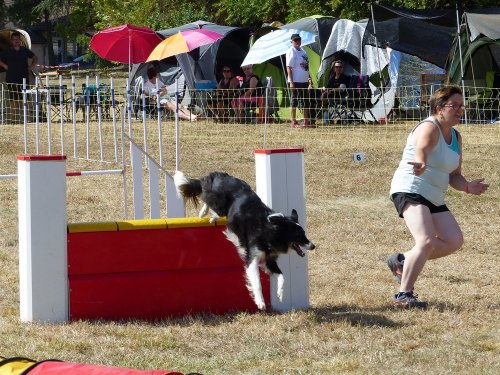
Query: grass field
pixel 350 327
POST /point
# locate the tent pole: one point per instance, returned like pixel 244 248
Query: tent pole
pixel 177 146
pixel 286 79
pixel 378 62
pixel 129 52
pixel 461 66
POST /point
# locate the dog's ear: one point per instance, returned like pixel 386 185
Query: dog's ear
pixel 294 216
pixel 275 218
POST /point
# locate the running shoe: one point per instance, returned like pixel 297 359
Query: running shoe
pixel 408 300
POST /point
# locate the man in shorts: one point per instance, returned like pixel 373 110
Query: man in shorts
pixel 297 68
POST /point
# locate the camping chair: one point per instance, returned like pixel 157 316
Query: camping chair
pixel 56 102
pixel 257 112
pixel 88 100
pixel 485 107
pixel 359 97
pixel 203 96
pixel 353 101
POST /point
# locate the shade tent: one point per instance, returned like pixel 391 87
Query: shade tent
pixel 427 34
pixel 480 46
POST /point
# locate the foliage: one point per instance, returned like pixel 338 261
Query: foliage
pixel 357 10
pixel 304 8
pixel 156 14
pixel 19 16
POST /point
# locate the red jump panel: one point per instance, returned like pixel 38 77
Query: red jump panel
pixel 151 274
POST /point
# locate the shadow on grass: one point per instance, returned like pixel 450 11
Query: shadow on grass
pixel 356 316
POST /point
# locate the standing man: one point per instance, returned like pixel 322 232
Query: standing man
pixel 15 61
pixel 297 68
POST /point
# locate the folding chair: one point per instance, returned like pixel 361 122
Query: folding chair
pixel 485 106
pixel 359 98
pixel 352 102
pixel 203 95
pixel 256 112
pixel 59 105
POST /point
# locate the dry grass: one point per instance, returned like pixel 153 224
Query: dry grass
pixel 350 328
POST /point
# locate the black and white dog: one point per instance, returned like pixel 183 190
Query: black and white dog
pixel 259 234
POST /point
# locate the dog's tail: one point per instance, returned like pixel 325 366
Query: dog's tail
pixel 187 188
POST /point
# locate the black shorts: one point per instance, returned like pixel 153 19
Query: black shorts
pixel 400 200
pixel 299 95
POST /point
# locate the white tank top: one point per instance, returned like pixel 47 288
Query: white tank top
pixel 433 183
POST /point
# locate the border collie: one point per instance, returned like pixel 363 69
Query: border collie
pixel 259 234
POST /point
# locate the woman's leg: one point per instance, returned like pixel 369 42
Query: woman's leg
pixel 186 114
pixel 436 235
pixel 448 233
pixel 183 112
pixel 419 221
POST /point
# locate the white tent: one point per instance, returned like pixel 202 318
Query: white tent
pixel 347 36
pixel 346 40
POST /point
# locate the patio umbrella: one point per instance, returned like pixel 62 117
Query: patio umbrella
pixel 275 43
pixel 183 41
pixel 126 44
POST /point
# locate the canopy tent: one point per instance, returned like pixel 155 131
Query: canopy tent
pixel 427 34
pixel 479 46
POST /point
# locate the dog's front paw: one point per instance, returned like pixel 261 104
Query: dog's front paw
pixel 261 305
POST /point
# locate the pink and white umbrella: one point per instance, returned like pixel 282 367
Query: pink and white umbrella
pixel 182 42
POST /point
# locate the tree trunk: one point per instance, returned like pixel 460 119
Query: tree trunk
pixel 48 36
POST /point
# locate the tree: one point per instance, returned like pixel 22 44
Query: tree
pixel 42 11
pixel 156 14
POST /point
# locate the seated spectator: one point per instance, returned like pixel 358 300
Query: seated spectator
pixel 226 89
pixel 251 91
pixel 336 86
pixel 150 91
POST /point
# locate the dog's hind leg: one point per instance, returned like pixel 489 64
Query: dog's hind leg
pixel 254 285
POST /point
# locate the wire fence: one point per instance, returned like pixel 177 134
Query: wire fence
pixel 80 116
pixel 77 118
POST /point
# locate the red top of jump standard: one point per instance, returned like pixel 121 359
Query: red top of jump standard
pixel 41 157
pixel 278 150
